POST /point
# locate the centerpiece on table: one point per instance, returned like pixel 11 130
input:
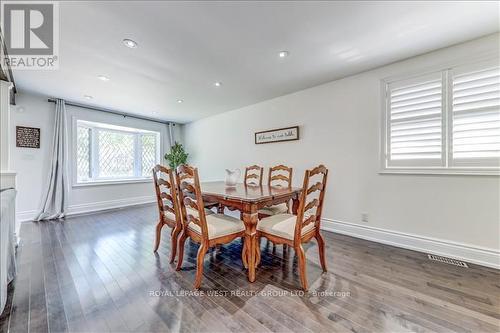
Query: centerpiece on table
pixel 232 177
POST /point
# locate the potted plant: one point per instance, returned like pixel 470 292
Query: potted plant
pixel 177 156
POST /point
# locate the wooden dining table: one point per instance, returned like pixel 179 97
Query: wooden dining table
pixel 248 199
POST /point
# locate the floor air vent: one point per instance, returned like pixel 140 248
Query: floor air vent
pixel 448 260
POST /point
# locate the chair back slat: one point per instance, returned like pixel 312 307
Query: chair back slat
pixel 320 169
pixel 193 219
pixel 190 203
pixel 280 174
pixel 253 175
pixel 166 193
pixel 166 196
pixel 191 199
pixel 163 182
pixel 254 167
pixel 187 187
pixel 309 210
pixel 185 176
pixel 279 177
pixel 310 205
pixel 168 209
pixel 310 219
pixel 316 187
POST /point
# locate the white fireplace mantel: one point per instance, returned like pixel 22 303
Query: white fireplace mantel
pixel 7 175
pixel 5 126
pixel 7 179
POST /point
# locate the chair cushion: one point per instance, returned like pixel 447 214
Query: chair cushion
pixel 282 225
pixel 274 210
pixel 171 216
pixel 220 225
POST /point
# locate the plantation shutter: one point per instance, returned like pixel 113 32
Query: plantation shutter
pixel 476 115
pixel 415 122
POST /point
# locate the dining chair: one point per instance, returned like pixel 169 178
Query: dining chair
pixel 168 208
pixel 206 230
pixel 253 175
pixel 294 230
pixel 279 176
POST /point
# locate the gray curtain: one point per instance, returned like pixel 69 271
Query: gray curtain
pixel 54 202
pixel 171 134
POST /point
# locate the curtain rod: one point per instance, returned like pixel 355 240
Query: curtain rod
pixel 123 114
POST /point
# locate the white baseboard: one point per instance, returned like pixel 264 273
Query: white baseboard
pixel 469 253
pixel 27 216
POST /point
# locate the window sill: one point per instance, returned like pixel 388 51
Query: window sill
pixel 443 172
pixel 113 182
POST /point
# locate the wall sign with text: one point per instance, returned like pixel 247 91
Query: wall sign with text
pixel 277 135
pixel 27 137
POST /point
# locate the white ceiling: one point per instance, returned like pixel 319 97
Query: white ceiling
pixel 184 47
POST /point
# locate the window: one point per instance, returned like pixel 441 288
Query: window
pixel 444 122
pixel 109 153
pixel 476 116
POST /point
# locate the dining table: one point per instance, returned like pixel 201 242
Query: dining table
pixel 249 199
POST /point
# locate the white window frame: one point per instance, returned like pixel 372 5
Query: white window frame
pixel 481 163
pixel 448 166
pixel 137 178
pixel 423 163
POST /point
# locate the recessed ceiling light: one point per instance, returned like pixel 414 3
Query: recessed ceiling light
pixel 180 101
pixel 218 84
pixel 130 43
pixel 284 54
pixel 88 96
pixel 103 78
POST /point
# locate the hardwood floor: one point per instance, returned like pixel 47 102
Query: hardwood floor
pixel 98 273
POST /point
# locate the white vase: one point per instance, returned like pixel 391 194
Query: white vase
pixel 232 177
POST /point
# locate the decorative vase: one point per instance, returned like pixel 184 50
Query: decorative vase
pixel 232 177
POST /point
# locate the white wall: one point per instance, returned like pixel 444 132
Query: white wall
pixel 340 127
pixel 32 165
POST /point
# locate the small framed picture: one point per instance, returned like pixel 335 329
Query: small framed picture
pixel 27 137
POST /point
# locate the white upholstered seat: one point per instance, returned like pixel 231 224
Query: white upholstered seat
pixel 282 225
pixel 219 225
pixel 274 210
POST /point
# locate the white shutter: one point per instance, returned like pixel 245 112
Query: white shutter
pixel 476 115
pixel 415 122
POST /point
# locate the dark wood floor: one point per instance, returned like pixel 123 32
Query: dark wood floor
pixel 97 273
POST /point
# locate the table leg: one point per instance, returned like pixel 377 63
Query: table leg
pixel 244 258
pixel 250 247
pixel 295 205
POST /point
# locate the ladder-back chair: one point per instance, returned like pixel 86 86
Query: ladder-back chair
pixel 168 208
pixel 206 230
pixel 279 176
pixel 253 175
pixel 294 230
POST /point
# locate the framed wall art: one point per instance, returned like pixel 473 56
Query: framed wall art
pixel 277 135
